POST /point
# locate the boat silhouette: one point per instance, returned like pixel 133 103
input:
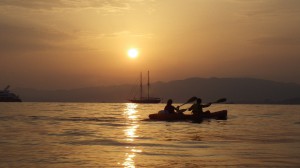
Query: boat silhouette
pixel 7 96
pixel 142 98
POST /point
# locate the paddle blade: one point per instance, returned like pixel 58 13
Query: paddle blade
pixel 221 100
pixel 190 100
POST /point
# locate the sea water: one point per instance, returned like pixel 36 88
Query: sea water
pixel 119 135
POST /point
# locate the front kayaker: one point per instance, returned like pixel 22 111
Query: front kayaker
pixel 170 108
pixel 197 108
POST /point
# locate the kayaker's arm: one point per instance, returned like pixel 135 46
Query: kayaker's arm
pixel 179 111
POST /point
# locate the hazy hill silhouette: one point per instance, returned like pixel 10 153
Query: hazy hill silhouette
pixel 236 90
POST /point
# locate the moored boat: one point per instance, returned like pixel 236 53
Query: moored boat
pixel 219 115
pixel 148 99
pixel 7 96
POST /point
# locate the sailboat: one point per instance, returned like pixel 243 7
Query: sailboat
pixel 147 99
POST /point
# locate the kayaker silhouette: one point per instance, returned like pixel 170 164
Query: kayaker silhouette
pixel 170 108
pixel 197 108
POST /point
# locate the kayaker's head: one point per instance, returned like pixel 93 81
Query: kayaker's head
pixel 170 101
pixel 199 100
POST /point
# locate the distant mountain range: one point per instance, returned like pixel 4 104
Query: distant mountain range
pixel 236 90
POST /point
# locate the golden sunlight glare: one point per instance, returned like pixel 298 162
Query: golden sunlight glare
pixel 133 53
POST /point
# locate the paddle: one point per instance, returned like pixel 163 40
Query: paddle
pixel 189 101
pixel 192 99
pixel 220 100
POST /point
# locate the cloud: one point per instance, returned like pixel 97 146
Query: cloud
pixel 108 5
pixel 34 4
pixel 267 7
pixel 23 38
pixel 127 33
pixel 277 40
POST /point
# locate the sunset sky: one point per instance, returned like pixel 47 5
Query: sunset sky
pixel 61 44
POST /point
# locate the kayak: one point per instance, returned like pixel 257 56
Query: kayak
pixel 218 115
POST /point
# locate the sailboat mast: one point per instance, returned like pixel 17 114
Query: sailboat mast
pixel 141 86
pixel 148 83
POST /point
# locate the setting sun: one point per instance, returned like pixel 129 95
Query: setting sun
pixel 133 53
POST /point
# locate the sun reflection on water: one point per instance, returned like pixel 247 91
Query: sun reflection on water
pixel 131 116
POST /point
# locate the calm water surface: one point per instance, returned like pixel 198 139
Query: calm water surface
pixel 117 135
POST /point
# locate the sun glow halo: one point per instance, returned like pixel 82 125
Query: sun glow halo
pixel 133 53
